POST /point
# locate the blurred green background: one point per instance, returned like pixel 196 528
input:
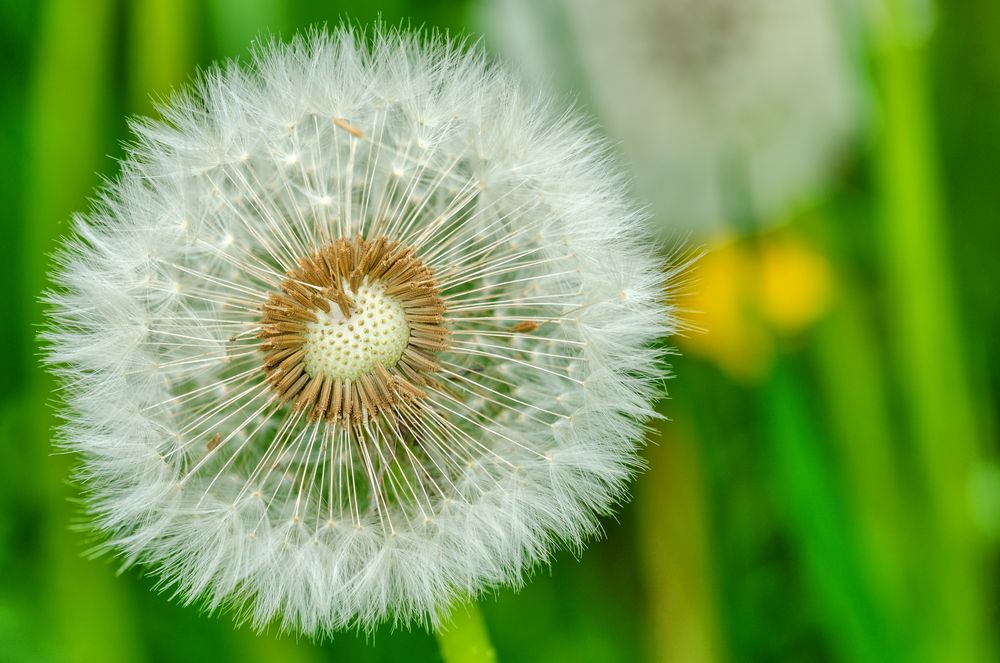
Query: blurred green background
pixel 827 489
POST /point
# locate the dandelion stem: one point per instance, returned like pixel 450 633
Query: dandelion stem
pixel 464 638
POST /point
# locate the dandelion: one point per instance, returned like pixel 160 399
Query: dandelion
pixel 360 329
pixel 724 107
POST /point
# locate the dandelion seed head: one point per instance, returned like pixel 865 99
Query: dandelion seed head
pixel 727 110
pixel 361 327
pixel 345 348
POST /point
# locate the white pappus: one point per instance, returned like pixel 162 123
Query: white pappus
pixel 723 108
pixel 360 328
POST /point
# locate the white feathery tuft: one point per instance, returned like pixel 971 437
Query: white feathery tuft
pixel 517 433
pixel 723 108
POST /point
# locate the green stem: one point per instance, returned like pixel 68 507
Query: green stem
pixel 464 638
pixel 927 341
pixel 675 545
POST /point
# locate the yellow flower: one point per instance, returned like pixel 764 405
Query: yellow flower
pixel 745 293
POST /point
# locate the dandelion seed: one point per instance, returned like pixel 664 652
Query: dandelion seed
pixel 359 329
pixel 720 105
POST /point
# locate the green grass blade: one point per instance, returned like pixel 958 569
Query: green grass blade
pixel 825 534
pixel 927 341
pixel 673 537
pixel 464 638
pixel 161 50
pixel 90 615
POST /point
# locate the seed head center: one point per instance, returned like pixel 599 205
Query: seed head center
pixel 353 331
pixel 345 348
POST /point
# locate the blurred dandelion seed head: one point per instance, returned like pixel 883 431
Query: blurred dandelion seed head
pixel 360 328
pixel 725 30
pixel 727 110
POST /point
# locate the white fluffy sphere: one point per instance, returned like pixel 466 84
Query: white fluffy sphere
pixel 361 327
pixel 725 109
